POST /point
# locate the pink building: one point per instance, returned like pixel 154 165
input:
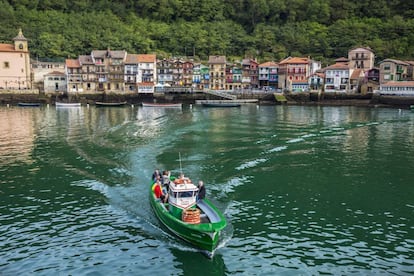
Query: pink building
pixel 15 64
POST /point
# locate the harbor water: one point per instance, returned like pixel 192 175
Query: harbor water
pixel 306 190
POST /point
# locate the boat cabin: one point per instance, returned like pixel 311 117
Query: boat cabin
pixel 182 195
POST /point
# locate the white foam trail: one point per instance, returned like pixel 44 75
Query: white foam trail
pixel 277 149
pixel 251 164
pixel 295 140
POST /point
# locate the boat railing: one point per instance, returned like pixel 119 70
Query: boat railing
pixel 210 213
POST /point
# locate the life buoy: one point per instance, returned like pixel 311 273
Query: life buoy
pixel 191 216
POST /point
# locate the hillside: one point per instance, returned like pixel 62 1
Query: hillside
pixel 265 29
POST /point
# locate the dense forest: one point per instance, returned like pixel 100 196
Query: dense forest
pixel 264 29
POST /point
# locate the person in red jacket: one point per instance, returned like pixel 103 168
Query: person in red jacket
pixel 158 192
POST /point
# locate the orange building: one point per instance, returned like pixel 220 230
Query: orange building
pixel 15 64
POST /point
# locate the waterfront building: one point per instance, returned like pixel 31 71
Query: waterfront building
pixel 131 73
pixel 393 70
pixel 217 68
pixel 371 81
pixel 337 76
pixel 40 69
pixel 250 73
pixel 111 71
pixel 15 64
pixel 294 72
pixel 165 72
pixel 268 75
pixel 205 76
pixel 361 58
pixel 147 73
pixel 177 72
pixel 89 78
pixel 233 77
pixel 73 71
pixel 55 82
pixel 397 88
pixel 316 80
pixel 188 67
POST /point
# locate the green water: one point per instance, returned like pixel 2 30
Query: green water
pixel 306 190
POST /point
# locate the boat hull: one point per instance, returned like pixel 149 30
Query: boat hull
pixel 221 104
pixel 29 104
pixel 110 104
pixel 203 235
pixel 169 105
pixel 58 104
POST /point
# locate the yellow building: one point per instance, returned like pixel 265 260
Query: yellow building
pixel 15 64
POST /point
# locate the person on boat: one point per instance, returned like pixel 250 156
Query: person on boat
pixel 201 190
pixel 159 193
pixel 165 180
pixel 155 175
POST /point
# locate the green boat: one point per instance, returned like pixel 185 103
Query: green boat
pixel 198 222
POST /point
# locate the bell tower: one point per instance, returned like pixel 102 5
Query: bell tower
pixel 20 42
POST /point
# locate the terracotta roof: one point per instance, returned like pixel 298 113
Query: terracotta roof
pixel 145 84
pixel 338 66
pixel 72 63
pixel 358 73
pixel 131 59
pixel 399 84
pixel 269 64
pixel 7 48
pixel 342 59
pixel 295 60
pixel 148 58
pixel 216 59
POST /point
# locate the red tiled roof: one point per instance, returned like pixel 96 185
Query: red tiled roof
pixel 72 63
pixel 338 66
pixel 295 60
pixel 145 84
pixel 268 64
pixel 6 47
pixel 149 58
pixel 358 73
pixel 399 84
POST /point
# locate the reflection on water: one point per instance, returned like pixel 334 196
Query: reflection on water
pixel 306 190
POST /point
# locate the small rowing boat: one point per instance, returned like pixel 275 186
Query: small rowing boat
pixel 60 104
pixel 221 104
pixel 169 105
pixel 29 104
pixel 110 104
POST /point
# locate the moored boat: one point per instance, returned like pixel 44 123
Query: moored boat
pixel 198 222
pixel 110 104
pixel 223 104
pixel 169 105
pixel 28 104
pixel 60 104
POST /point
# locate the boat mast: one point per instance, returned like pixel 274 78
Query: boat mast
pixel 181 168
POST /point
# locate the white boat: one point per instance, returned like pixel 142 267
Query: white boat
pixel 60 104
pixel 175 105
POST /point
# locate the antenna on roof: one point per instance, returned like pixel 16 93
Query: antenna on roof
pixel 179 156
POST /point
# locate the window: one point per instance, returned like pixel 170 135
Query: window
pixel 6 64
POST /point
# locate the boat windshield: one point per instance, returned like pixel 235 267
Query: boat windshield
pixel 186 194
